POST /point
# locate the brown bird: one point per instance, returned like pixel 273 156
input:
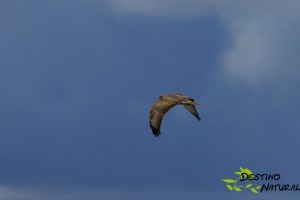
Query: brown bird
pixel 164 103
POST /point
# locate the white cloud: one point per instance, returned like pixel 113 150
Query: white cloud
pixel 263 34
pixel 256 54
pixel 117 194
pixel 10 193
pixel 159 7
pixel 189 8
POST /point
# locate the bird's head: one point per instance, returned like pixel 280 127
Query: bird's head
pixel 160 97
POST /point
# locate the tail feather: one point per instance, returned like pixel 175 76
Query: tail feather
pixel 193 110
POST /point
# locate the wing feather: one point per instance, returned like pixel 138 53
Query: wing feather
pixel 157 112
pixel 193 110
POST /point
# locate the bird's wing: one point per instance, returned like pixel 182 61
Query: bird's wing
pixel 192 110
pixel 157 112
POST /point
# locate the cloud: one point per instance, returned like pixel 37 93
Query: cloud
pixel 262 35
pixel 190 8
pixel 156 7
pixel 260 51
pixel 10 193
pixel 93 194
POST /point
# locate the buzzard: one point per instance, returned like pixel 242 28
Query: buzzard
pixel 164 103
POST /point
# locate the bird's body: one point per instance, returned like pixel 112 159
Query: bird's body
pixel 164 104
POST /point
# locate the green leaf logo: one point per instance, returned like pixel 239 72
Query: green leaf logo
pixel 229 187
pixel 232 183
pixel 228 180
pixel 254 190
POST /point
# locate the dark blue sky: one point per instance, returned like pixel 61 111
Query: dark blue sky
pixel 77 79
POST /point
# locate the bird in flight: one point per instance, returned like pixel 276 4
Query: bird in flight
pixel 164 103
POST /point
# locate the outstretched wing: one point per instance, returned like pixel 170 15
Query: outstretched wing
pixel 157 112
pixel 192 110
